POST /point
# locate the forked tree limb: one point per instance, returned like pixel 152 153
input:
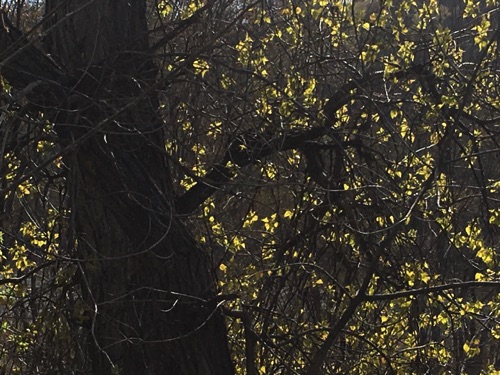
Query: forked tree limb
pixel 24 66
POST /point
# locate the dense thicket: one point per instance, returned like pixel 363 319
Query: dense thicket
pixel 267 187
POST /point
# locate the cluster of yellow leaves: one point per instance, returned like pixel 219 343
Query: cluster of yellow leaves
pixel 386 35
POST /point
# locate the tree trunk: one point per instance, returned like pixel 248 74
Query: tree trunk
pixel 147 284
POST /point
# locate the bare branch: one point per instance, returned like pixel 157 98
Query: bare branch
pixel 433 289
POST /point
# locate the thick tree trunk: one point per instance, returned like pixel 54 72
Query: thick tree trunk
pixel 147 284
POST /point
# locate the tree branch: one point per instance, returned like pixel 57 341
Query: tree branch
pixel 182 26
pixel 247 151
pixel 432 289
pixel 242 153
pixel 250 339
pixel 22 64
pixel 20 279
pixel 319 357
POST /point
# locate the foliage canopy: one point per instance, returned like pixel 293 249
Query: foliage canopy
pixel 335 159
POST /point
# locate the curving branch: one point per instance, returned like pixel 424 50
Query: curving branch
pixel 248 150
pixel 242 153
pixel 433 289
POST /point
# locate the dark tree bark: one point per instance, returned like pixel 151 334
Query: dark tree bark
pixel 147 284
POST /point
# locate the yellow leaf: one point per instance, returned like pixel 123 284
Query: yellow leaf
pixel 223 267
pixel 424 276
pixel 201 67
